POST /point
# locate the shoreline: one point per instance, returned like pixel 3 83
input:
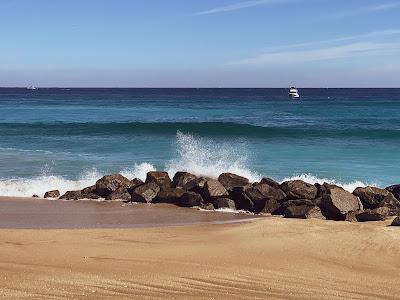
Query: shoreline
pixel 40 213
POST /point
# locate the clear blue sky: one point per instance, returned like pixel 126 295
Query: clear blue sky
pixel 193 43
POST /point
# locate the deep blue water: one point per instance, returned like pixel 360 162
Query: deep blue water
pixel 67 138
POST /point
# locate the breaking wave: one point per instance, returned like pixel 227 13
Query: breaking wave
pixel 203 157
pixel 196 155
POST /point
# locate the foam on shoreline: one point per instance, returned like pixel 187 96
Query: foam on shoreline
pixel 196 155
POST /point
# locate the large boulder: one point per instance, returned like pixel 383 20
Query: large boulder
pixel 230 181
pixel 181 179
pixel 270 182
pixel 145 192
pixel 110 183
pixel 298 189
pixel 160 178
pixel 372 198
pixel 242 201
pixel 392 204
pixel 396 222
pixel 224 203
pixel 89 190
pixel 298 202
pixel 303 212
pixel 336 203
pixel 213 189
pixel 395 190
pixel 196 185
pixel 52 194
pixel 171 195
pixel 190 199
pixel 120 193
pixel 260 193
pixel 72 195
pixel 271 206
pixel 377 214
pixel 323 188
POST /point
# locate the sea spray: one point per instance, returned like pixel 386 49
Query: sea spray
pixel 138 171
pixel 309 178
pixel 200 156
pixel 205 157
pixel 26 187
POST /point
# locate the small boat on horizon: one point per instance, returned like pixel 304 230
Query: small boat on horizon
pixel 31 87
pixel 293 92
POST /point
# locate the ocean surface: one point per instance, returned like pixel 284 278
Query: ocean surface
pixel 68 138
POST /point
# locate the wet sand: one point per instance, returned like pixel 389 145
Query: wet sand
pixel 267 258
pixel 31 213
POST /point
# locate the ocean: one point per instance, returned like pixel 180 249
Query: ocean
pixel 66 139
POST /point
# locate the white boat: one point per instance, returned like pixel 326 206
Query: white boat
pixel 293 92
pixel 31 88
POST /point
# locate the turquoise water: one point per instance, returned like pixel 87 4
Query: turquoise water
pixel 67 138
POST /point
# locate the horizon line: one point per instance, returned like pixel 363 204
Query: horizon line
pixel 118 87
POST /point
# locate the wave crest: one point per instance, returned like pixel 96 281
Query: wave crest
pixel 202 157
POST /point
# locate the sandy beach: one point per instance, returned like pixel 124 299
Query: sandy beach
pixel 265 258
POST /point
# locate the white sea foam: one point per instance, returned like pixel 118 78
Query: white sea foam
pixel 349 186
pixel 25 187
pixel 207 158
pixel 196 155
pixel 138 171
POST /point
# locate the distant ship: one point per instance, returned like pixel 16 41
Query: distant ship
pixel 293 92
pixel 31 88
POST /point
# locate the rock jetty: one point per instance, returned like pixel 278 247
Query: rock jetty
pixel 291 199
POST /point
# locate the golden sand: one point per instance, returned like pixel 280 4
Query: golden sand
pixel 270 258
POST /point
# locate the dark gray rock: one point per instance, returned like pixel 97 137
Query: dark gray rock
pixel 224 203
pixel 171 195
pixel 190 199
pixel 181 179
pixel 395 190
pixel 213 189
pixel 89 196
pixel 242 201
pixel 271 206
pixel 160 178
pixel 121 193
pixel 71 195
pixel 352 216
pixel 145 193
pixel 377 214
pixel 89 190
pixel 322 188
pixel 337 203
pixel 207 206
pixel 260 193
pixel 230 181
pixel 298 189
pixel 392 204
pixel 271 183
pixel 298 202
pixel 396 222
pixel 110 183
pixel 303 212
pixel 196 185
pixel 136 182
pixel 35 196
pixel 52 194
pixel 372 197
